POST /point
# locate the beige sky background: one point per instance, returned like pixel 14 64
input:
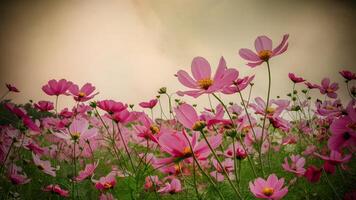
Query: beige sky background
pixel 129 49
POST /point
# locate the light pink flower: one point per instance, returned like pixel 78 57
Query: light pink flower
pixel 148 129
pixel 106 196
pixel 217 174
pixel 77 131
pixel 57 88
pixel 296 166
pixel 84 93
pixel 44 166
pixel 15 176
pixel 264 51
pixel 268 189
pixel 88 171
pixel 203 82
pixel 152 182
pixel 57 190
pixel 173 187
pixel 150 104
pixel 239 85
pixel 311 85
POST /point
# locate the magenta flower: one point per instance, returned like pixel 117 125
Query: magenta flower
pixel 348 75
pixel 57 190
pixel 111 106
pixel 84 93
pixel 44 166
pixel 57 88
pixel 296 166
pixel 151 182
pixel 311 85
pixel 264 52
pixel 343 130
pixel 295 78
pixel 313 174
pixel 328 89
pixel 173 187
pixel 88 171
pixel 178 147
pixel 11 88
pixel 203 82
pixel 152 103
pixel 148 129
pixel 106 182
pixel 335 157
pixel 44 106
pixel 268 189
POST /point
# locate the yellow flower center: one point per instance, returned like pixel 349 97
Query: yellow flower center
pixel 329 90
pixel 154 129
pixel 270 110
pixel 268 191
pixel 198 125
pixel 177 168
pixel 107 185
pixel 329 107
pixel 81 94
pixel 187 152
pixel 205 83
pixel 40 166
pixel 75 135
pixel 265 55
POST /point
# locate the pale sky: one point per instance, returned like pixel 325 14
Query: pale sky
pixel 129 49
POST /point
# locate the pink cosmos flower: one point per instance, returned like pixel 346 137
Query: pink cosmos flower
pixel 330 109
pixel 309 150
pixel 217 174
pixel 275 107
pixel 15 176
pixel 152 103
pixel 77 131
pixel 203 82
pixel 106 182
pixel 44 106
pixel 295 79
pixel 111 106
pixel 11 88
pixel 343 130
pixel 178 147
pixel 148 129
pixel 313 174
pixel 348 75
pixel 329 168
pixel 173 187
pixel 88 171
pixel 240 153
pixel 239 85
pixel 34 147
pixel 335 157
pixel 151 182
pixel 328 89
pixel 66 113
pixel 57 88
pixel 264 51
pixel 57 190
pixel 84 93
pixel 268 189
pixel 44 166
pixel 297 165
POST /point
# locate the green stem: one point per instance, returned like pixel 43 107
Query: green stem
pixel 331 185
pixel 222 167
pixel 126 149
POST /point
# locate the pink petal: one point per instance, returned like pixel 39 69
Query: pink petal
pixel 263 43
pixel 200 68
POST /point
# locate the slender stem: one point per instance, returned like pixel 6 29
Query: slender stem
pixel 249 94
pixel 242 143
pixel 202 171
pixel 235 165
pixel 7 155
pixel 160 107
pixel 331 185
pixel 56 105
pixel 265 115
pixel 126 149
pixel 222 167
pixel 170 105
pixel 348 90
pixel 195 183
pixel 152 113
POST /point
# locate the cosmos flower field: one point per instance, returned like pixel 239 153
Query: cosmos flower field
pixel 292 146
